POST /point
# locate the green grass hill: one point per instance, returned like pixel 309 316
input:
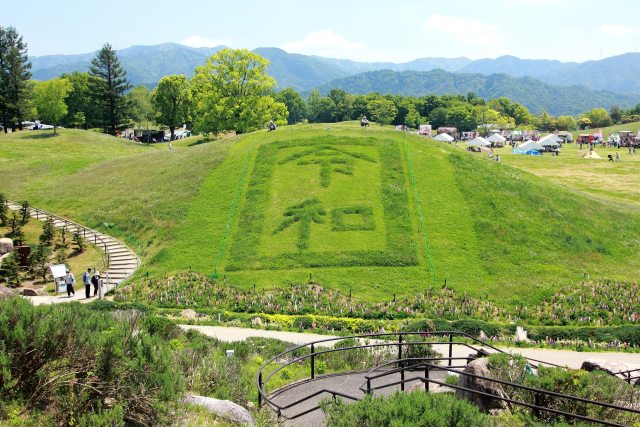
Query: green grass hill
pixel 374 211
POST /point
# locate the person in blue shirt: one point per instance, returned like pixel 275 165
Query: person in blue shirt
pixel 86 279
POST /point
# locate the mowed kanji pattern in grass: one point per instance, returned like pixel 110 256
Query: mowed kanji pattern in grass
pixel 325 202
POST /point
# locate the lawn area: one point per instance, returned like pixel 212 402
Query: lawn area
pixel 611 182
pixel 134 192
pixel 374 212
pixel 606 131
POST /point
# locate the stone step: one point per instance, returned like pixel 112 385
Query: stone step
pixel 120 262
pixel 116 246
pixel 123 257
pixel 128 267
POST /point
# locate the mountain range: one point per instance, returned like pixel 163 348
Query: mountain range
pixel 536 95
pixel 606 82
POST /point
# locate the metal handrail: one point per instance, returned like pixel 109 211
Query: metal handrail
pixel 105 259
pixel 535 391
pixel 97 236
pixel 264 397
pixel 389 344
pixel 261 384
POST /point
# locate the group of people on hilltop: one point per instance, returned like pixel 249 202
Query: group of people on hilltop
pixel 87 278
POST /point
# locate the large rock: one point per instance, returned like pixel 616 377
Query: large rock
pixel 224 408
pixel 612 368
pixel 6 292
pixel 30 292
pixel 189 314
pixel 486 403
pixel 6 245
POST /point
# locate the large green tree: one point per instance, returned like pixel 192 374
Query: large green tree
pixel 382 110
pixel 342 102
pixel 172 101
pixel 295 105
pixel 15 72
pixel 108 86
pixel 81 110
pixel 49 99
pixel 141 111
pixel 232 92
pixel 599 117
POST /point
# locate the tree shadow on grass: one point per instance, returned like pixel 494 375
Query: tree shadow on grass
pixel 43 135
pixel 204 140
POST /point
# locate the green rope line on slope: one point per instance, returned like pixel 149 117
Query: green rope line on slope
pixel 418 205
pixel 233 210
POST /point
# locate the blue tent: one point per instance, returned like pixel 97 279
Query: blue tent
pixel 526 152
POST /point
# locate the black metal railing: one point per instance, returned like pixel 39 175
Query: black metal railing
pixel 381 342
pixel 426 366
pixel 88 234
pixel 628 377
pixel 538 394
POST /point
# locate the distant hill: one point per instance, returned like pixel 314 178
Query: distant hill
pixel 148 64
pixel 534 94
pixel 145 65
pixel 617 74
pixel 304 72
pixel 513 66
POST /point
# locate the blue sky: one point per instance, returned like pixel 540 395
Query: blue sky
pixel 400 30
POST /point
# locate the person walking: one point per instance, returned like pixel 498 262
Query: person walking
pixel 69 280
pixel 86 279
pixel 95 280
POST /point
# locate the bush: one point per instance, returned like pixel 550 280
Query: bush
pixel 405 409
pixel 598 386
pixel 73 361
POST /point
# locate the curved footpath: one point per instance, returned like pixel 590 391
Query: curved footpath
pixel 349 382
pixel 122 262
pixel 569 358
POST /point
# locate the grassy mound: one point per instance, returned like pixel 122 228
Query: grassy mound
pixel 375 212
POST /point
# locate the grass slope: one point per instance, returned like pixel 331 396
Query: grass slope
pixel 134 192
pixel 331 201
pixel 615 183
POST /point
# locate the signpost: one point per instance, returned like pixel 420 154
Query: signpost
pixel 59 272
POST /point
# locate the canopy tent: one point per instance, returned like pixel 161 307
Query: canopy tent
pixel 424 129
pixel 496 138
pixel 591 155
pixel 530 145
pixel 478 142
pixel 526 152
pixel 550 140
pixel 443 137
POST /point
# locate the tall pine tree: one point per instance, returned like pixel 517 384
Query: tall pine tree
pixel 109 84
pixel 15 72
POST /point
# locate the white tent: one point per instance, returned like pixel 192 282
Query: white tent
pixel 496 138
pixel 550 140
pixel 478 142
pixel 530 145
pixel 443 137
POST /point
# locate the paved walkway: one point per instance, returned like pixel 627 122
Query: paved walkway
pixel 569 358
pixel 350 383
pixel 121 264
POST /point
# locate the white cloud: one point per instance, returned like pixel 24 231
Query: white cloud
pixel 200 41
pixel 470 31
pixel 325 43
pixel 617 30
